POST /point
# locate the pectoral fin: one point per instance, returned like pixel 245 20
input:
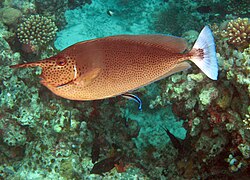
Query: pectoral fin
pixel 87 78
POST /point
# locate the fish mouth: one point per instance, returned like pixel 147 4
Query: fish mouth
pixel 41 77
pixel 64 84
pixel 43 80
pixel 47 83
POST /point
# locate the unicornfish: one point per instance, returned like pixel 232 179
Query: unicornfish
pixel 115 65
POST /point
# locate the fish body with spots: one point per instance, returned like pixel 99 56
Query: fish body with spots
pixel 111 66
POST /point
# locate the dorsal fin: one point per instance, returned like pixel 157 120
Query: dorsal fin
pixel 172 43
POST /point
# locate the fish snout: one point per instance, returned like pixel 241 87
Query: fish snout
pixel 42 63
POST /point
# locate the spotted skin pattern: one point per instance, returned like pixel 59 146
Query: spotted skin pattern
pixel 110 66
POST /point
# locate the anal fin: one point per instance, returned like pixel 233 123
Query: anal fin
pixel 178 68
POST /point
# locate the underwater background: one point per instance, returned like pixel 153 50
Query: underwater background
pixel 191 127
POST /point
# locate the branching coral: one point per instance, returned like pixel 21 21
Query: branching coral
pixel 234 63
pixel 237 32
pixel 36 31
pixel 237 7
pixel 246 121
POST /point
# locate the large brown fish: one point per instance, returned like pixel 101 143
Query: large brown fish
pixel 111 66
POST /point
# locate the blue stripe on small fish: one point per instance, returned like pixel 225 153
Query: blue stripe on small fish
pixel 134 98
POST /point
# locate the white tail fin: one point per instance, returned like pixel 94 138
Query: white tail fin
pixel 204 54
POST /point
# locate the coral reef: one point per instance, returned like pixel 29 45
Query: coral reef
pixel 43 136
pixel 182 20
pixel 12 133
pixel 10 16
pixel 36 32
pixel 237 32
pixel 237 7
pixel 217 112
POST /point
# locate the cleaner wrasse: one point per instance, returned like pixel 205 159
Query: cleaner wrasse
pixel 112 66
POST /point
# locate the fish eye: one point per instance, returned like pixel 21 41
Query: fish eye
pixel 61 62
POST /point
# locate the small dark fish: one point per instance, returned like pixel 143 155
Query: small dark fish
pixel 68 121
pixel 110 12
pixel 105 165
pixel 134 98
pixel 204 9
pixel 95 153
pixel 125 122
pixel 177 143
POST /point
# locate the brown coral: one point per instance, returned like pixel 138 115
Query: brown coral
pixel 237 33
pixel 10 16
pixel 36 31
